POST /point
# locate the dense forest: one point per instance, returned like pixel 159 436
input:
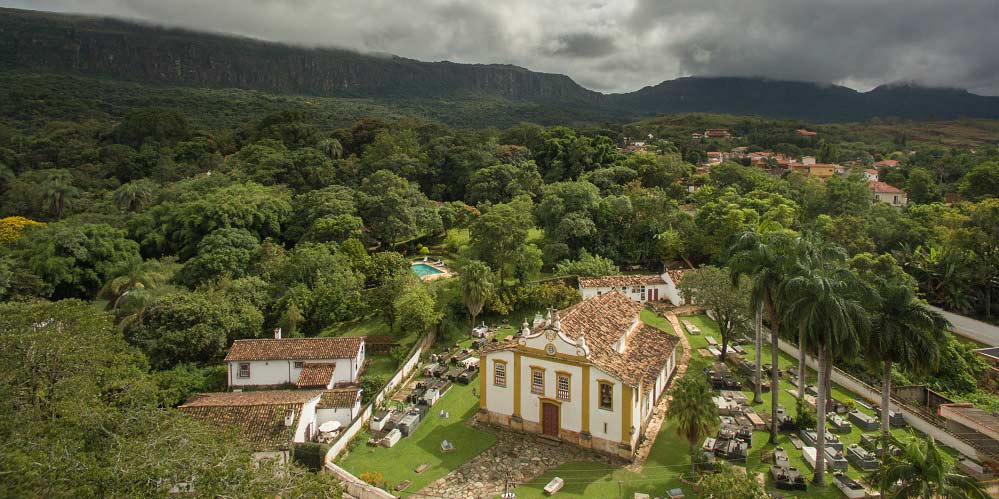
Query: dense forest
pixel 156 239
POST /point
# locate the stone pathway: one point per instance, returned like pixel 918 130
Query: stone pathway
pixel 516 457
pixel 659 415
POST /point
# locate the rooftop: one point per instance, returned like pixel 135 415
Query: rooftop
pixel 262 397
pixel 620 280
pixel 346 347
pixel 883 188
pixel 316 374
pixel 341 398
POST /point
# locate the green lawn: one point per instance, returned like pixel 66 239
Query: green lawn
pixel 669 456
pixel 423 446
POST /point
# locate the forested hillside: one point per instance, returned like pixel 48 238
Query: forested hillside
pixel 463 94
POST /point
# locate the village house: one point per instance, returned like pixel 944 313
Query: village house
pixel 715 158
pixel 589 375
pixel 886 193
pixel 871 174
pixel 806 133
pixel 638 287
pixel 886 163
pixel 304 362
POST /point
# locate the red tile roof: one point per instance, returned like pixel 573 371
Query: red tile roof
pixel 261 397
pixel 316 374
pixel 620 280
pixel 346 347
pixel 258 416
pixel 341 398
pixel 887 162
pixel 883 188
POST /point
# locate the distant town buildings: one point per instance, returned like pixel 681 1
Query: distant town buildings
pixel 806 133
pixel 713 133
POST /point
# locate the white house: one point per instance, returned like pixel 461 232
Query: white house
pixel 887 193
pixel 639 287
pixel 270 420
pixel 305 362
pixel 342 404
pixel 589 375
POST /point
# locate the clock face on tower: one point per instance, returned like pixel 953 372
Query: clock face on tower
pixel 550 349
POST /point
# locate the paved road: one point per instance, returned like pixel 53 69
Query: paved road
pixel 971 328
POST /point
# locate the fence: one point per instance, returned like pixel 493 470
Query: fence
pixel 405 370
pixel 355 486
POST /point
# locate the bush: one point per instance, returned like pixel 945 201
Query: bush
pixel 806 415
pixel 310 454
pixel 371 385
pixel 373 478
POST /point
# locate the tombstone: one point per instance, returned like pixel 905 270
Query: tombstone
pixel 446 446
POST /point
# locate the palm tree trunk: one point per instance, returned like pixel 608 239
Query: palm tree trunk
pixel 758 391
pixel 801 366
pixel 885 407
pixel 820 422
pixel 774 378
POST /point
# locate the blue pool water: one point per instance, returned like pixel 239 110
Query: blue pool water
pixel 423 269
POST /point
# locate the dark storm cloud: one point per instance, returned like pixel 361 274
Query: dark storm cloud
pixel 622 45
pixel 586 45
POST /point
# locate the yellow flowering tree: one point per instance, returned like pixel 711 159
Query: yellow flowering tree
pixel 11 228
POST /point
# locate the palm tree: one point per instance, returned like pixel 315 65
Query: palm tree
pixel 765 257
pixel 924 473
pixel 133 275
pixel 823 305
pixel 133 195
pixel 332 148
pixel 903 332
pixel 691 408
pixel 476 287
pixel 58 191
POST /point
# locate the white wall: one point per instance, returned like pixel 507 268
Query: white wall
pixel 599 417
pixel 307 417
pixel 591 292
pixel 671 292
pixel 571 413
pixel 342 414
pixel 498 399
pixel 279 372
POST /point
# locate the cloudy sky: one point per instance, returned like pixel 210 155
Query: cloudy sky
pixel 623 45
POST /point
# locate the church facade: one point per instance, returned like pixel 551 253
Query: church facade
pixel 590 375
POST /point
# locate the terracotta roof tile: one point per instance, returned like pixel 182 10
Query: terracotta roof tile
pixel 261 397
pixel 261 425
pixel 316 374
pixel 620 280
pixel 345 347
pixel 882 187
pixel 258 417
pixel 339 399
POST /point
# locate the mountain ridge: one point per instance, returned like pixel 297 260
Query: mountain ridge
pixel 143 52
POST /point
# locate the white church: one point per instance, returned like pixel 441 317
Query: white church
pixel 590 375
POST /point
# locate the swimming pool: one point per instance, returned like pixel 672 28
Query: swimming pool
pixel 424 270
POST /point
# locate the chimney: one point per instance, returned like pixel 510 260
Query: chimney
pixel 277 333
pixel 290 418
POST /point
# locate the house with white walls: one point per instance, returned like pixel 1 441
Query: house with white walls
pixel 304 362
pixel 589 375
pixel 639 287
pixel 271 420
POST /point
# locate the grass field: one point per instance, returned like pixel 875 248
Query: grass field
pixel 669 456
pixel 423 446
